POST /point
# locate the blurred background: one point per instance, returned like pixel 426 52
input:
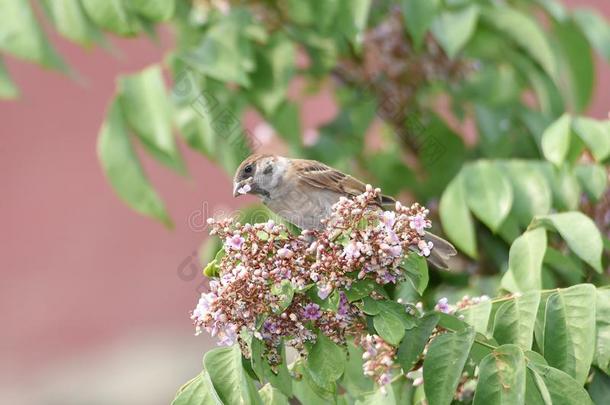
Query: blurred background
pixel 95 299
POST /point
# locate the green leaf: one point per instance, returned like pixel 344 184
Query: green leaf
pixel 228 376
pixel 391 319
pixel 198 391
pixel 580 233
pixel 416 268
pixel 488 193
pixel 351 19
pixel 360 289
pixel 225 53
pixel 112 15
pixel 72 22
pixel 287 123
pixel 532 193
pixel 444 363
pixel 562 389
pixel 279 378
pixel 419 15
pixel 122 168
pixel 326 361
pixel 456 219
pixel 354 381
pixel 211 269
pixel 454 28
pixel 575 64
pixel 599 389
pixel 21 35
pixel 7 87
pixel 390 327
pixel 154 10
pixel 566 190
pixel 525 262
pixel 536 392
pixel 197 130
pixel 284 291
pixel 272 396
pixel 556 140
pixel 602 323
pixel 568 267
pixel 306 391
pixel 451 322
pixel 569 330
pixel 515 319
pixel 378 397
pixel 148 112
pixel 370 306
pixel 525 32
pixel 596 30
pixel 595 134
pixel 502 377
pixel 274 70
pixel 415 341
pixel 593 179
pixel 477 316
pixel 554 9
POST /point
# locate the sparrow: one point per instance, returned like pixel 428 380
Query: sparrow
pixel 303 192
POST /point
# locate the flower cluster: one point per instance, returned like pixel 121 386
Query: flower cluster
pixel 372 243
pixel 378 359
pixel 277 286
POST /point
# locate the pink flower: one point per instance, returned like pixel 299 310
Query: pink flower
pixel 388 277
pixel 203 306
pixel 443 306
pixel 285 253
pixel 227 336
pixel 324 291
pixel 234 242
pixel 312 311
pixel 392 251
pixel 385 379
pixel 352 250
pixel 418 222
pixel 343 309
pixel 424 248
pixel 388 218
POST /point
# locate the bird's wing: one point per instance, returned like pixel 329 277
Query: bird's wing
pixel 316 174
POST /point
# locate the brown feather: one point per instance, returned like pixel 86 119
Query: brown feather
pixel 319 175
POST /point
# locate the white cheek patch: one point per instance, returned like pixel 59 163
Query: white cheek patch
pixel 244 189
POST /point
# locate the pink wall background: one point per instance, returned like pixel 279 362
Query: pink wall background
pixel 91 303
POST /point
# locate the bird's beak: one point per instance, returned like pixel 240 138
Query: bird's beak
pixel 241 187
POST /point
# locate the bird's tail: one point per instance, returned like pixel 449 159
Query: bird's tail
pixel 387 201
pixel 441 252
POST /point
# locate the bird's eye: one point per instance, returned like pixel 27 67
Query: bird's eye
pixel 248 169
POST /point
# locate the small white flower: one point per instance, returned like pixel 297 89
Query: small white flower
pixel 425 248
pixel 388 218
pixel 285 253
pixel 352 250
pixel 324 291
pixel 234 242
pixel 418 222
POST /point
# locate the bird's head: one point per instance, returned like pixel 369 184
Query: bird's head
pixel 258 175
